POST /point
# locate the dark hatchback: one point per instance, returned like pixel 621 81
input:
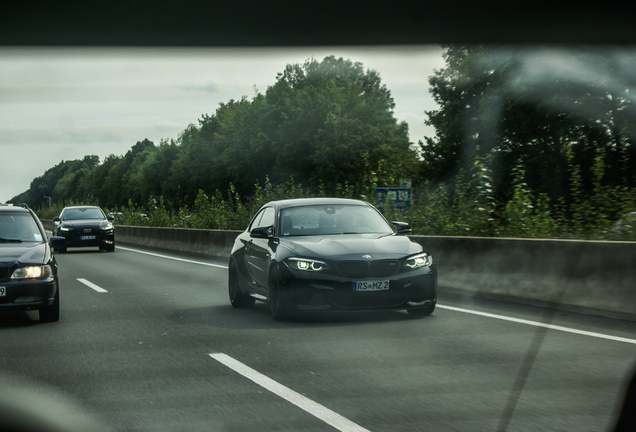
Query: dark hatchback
pixel 28 271
pixel 329 254
pixel 84 226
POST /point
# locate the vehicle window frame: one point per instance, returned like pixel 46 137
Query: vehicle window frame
pixel 338 210
pixel 36 224
pixel 262 222
pixel 254 223
pixel 91 209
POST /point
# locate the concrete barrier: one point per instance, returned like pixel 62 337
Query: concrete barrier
pixel 591 277
pixel 216 243
pixel 199 241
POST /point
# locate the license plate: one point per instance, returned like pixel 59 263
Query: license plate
pixel 377 285
pixel 3 291
pixel 87 238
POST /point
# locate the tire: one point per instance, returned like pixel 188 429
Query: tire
pixel 237 298
pixel 107 248
pixel 278 302
pixel 51 313
pixel 422 311
pixel 426 310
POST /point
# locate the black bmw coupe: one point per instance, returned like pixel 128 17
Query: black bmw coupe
pixel 329 254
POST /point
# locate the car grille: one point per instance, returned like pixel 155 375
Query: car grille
pixel 76 234
pixel 356 299
pixel 363 269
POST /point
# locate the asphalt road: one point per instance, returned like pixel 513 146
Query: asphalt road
pixel 161 348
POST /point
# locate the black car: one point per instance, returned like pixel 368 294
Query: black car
pixel 329 254
pixel 83 226
pixel 28 271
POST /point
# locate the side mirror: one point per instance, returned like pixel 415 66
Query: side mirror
pixel 57 242
pixel 56 219
pixel 402 227
pixel 262 232
pixel 110 217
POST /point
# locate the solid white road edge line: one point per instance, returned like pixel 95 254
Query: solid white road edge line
pixel 485 314
pixel 539 324
pixel 92 285
pixel 313 408
pixel 172 258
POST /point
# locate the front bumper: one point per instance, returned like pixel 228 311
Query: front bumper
pixel 24 295
pixel 75 239
pixel 333 293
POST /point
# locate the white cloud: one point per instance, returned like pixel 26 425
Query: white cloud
pixel 208 87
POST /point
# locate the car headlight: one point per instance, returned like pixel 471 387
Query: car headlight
pixel 32 272
pixel 420 260
pixel 63 228
pixel 306 264
pixel 107 226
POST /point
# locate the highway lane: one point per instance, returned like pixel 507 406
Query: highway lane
pixel 137 357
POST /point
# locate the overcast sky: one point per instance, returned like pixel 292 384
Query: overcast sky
pixel 63 104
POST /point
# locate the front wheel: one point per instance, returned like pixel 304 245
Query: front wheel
pixel 422 311
pixel 278 301
pixel 51 313
pixel 237 298
pixel 107 247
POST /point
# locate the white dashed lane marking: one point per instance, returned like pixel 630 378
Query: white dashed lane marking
pixel 92 285
pixel 326 415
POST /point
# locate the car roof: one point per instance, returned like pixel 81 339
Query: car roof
pixel 13 208
pixel 299 202
pixel 82 207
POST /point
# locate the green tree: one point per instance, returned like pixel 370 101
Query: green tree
pixel 333 122
pixel 152 177
pixel 532 105
pixel 326 124
pixel 106 177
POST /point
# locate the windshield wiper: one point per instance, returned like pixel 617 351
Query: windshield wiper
pixel 4 240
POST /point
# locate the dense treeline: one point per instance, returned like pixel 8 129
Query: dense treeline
pixel 545 107
pixel 326 124
pixel 532 143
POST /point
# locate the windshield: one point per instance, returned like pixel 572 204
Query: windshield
pixel 18 227
pixel 85 213
pixel 520 171
pixel 332 220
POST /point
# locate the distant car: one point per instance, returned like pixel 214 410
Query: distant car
pixel 329 254
pixel 28 270
pixel 83 226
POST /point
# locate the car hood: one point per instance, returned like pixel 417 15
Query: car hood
pixel 352 246
pixel 30 252
pixel 95 223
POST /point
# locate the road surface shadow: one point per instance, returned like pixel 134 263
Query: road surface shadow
pixel 80 250
pixel 259 317
pixel 12 319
